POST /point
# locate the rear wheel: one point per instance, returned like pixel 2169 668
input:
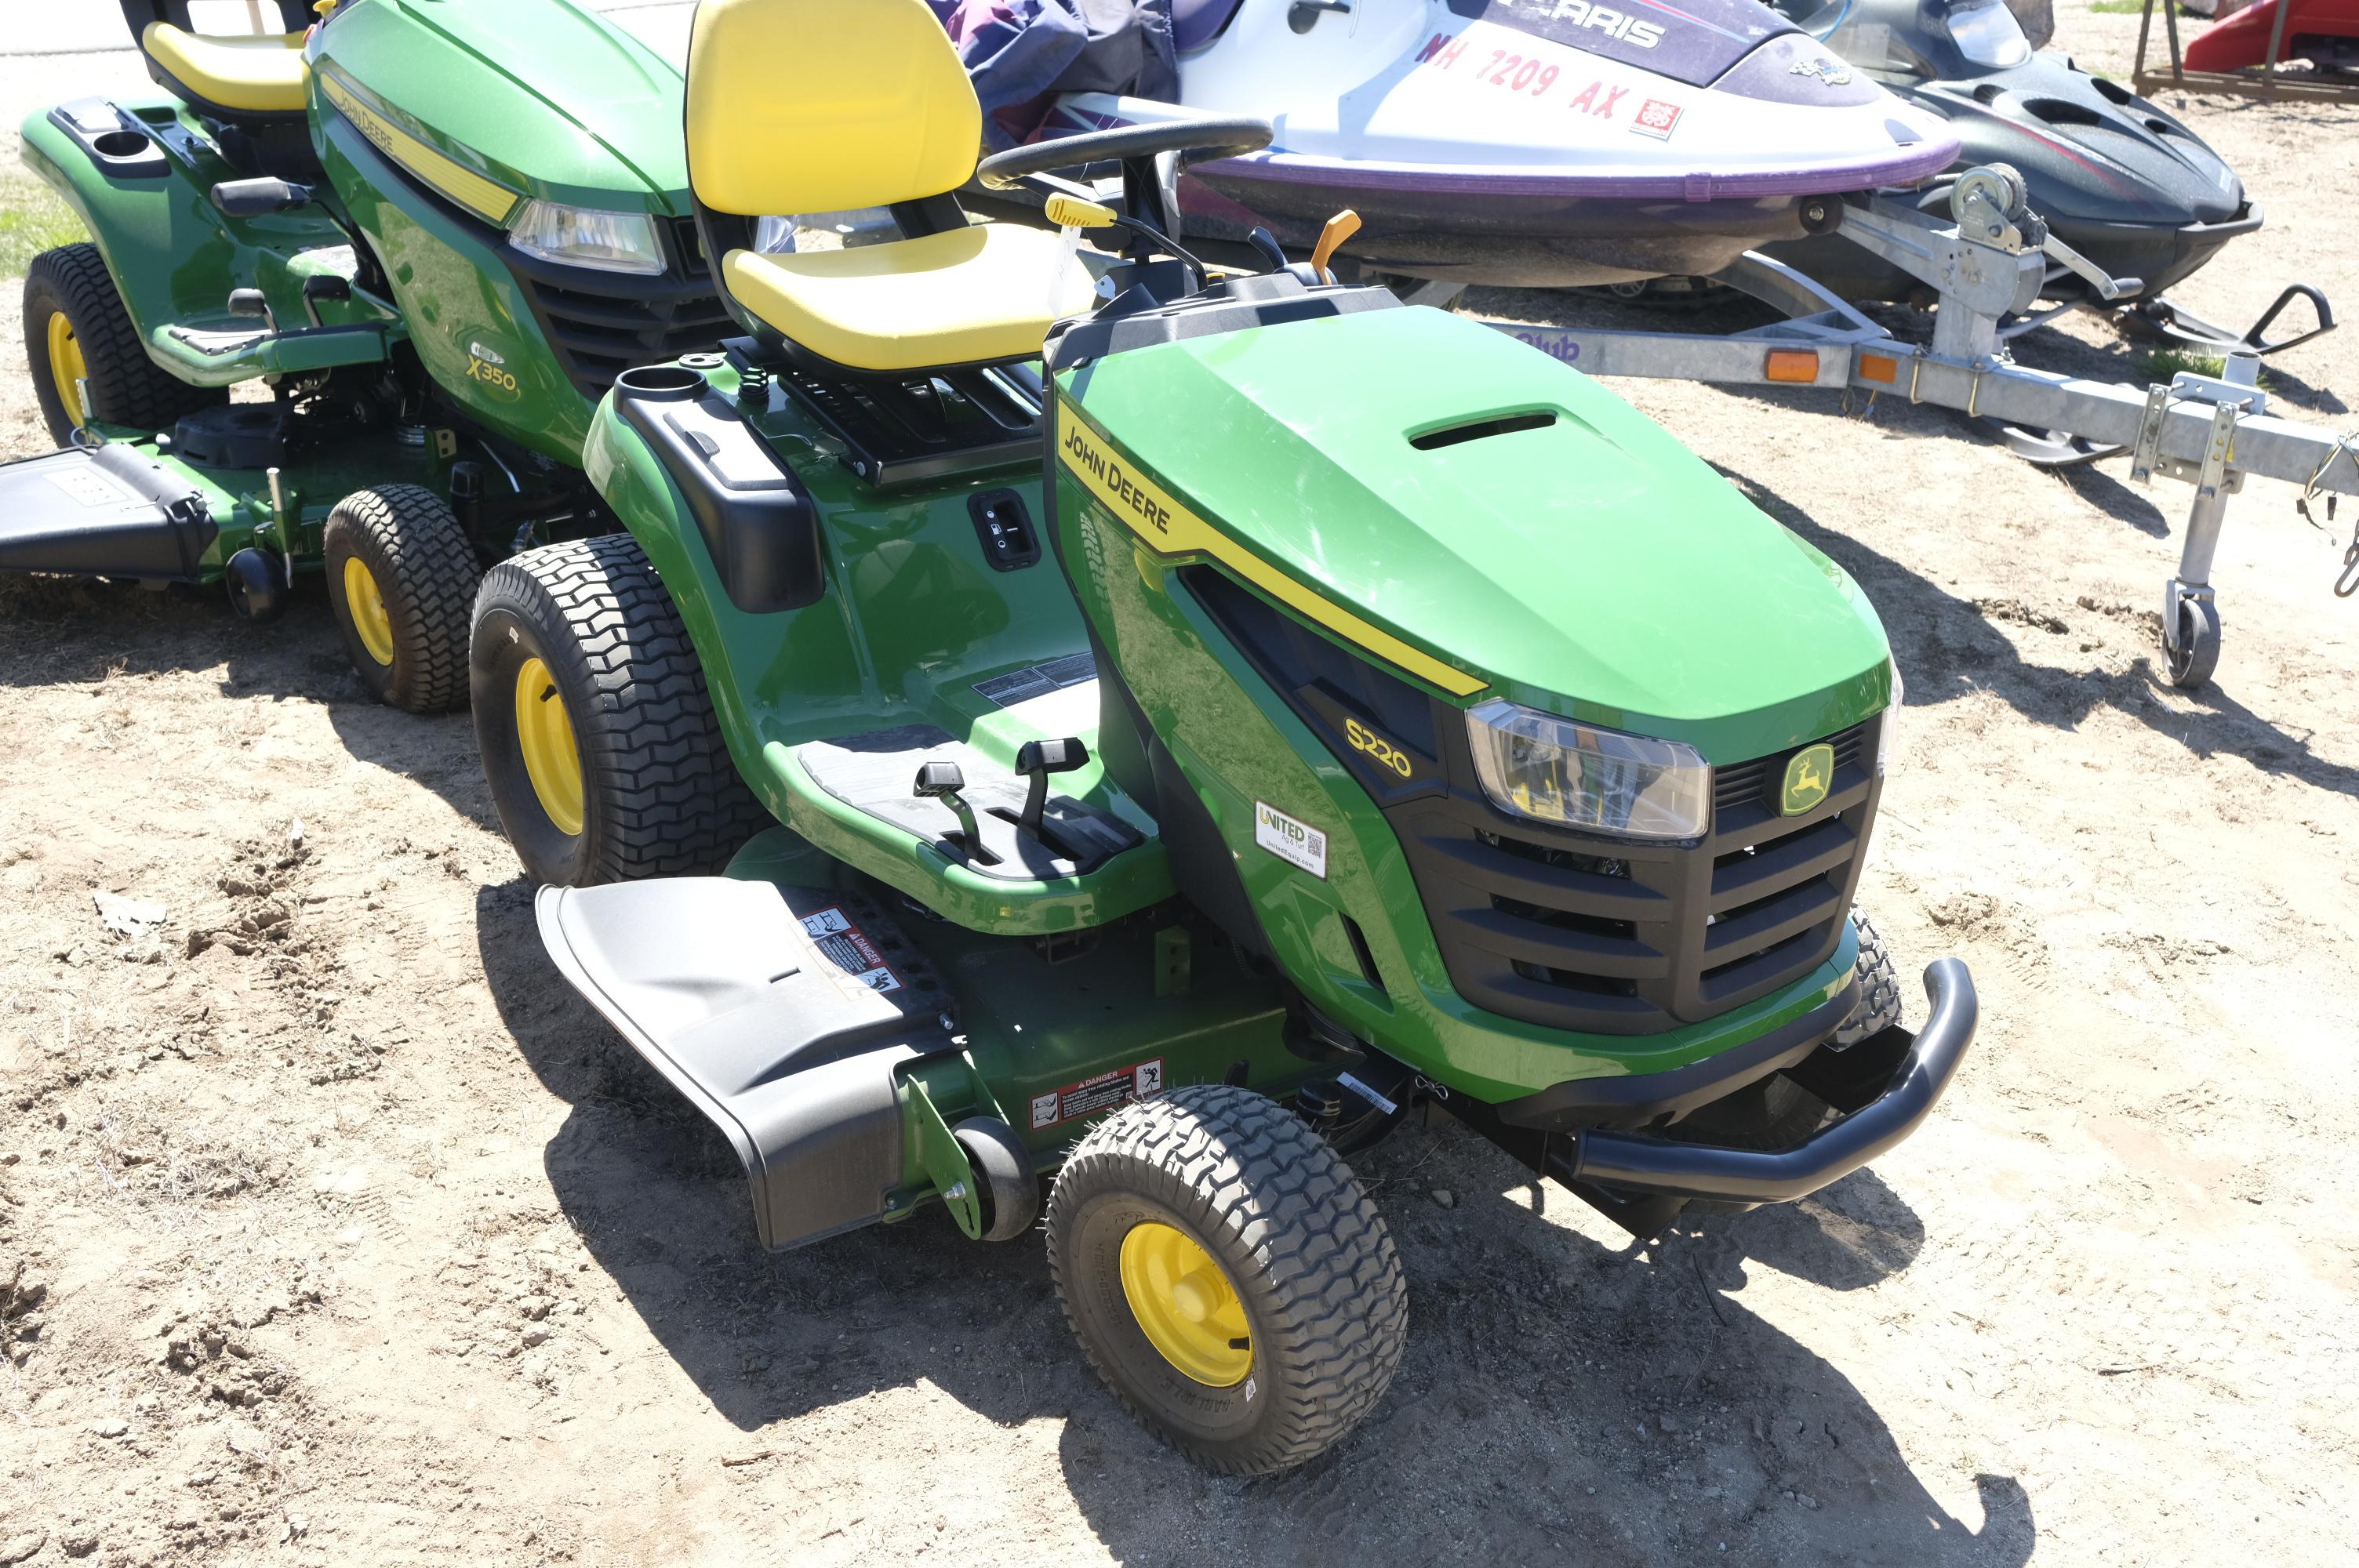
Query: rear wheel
pixel 401 579
pixel 76 329
pixel 599 739
pixel 1227 1276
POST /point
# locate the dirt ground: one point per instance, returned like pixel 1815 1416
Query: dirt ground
pixel 340 1232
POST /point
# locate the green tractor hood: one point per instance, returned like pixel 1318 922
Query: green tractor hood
pixel 539 95
pixel 1459 492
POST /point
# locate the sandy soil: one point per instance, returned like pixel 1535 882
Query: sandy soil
pixel 334 1230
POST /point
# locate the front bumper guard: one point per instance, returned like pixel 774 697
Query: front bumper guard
pixel 1637 1163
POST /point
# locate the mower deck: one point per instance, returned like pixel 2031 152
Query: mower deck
pixel 111 511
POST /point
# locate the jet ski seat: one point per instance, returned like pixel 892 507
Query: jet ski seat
pixel 235 77
pixel 948 293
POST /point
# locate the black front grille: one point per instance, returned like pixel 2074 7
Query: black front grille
pixel 1573 930
pixel 603 323
pixel 1579 931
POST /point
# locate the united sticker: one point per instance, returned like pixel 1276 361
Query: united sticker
pixel 1296 843
pixel 1101 1093
pixel 1657 119
pixel 849 949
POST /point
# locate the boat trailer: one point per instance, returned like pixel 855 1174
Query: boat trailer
pixel 1987 265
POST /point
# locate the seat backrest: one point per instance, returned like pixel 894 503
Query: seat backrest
pixel 818 106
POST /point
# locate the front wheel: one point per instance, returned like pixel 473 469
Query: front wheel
pixel 599 740
pixel 1227 1276
pixel 401 580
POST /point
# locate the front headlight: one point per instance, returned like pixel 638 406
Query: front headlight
pixel 1579 776
pixel 1890 727
pixel 583 236
pixel 1987 33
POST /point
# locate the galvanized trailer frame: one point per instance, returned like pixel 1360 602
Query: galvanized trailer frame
pixel 1989 265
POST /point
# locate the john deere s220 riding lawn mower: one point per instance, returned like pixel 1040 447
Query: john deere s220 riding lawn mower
pixel 434 230
pixel 1263 713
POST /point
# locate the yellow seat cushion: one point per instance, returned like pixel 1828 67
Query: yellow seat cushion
pixel 262 75
pixel 984 292
pixel 815 106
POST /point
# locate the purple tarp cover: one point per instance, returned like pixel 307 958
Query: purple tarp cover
pixel 1020 53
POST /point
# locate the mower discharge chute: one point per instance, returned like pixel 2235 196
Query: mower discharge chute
pixel 1269 712
pixel 386 220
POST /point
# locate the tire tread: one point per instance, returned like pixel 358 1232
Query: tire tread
pixel 1237 1162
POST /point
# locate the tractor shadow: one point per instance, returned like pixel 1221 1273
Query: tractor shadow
pixel 1537 1354
pixel 59 631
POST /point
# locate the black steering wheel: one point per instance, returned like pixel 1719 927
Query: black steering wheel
pixel 1199 139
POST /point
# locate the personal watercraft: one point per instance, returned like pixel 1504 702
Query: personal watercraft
pixel 2126 185
pixel 384 218
pixel 2324 32
pixel 1527 142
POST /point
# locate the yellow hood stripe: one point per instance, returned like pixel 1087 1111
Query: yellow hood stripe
pixel 1170 530
pixel 487 198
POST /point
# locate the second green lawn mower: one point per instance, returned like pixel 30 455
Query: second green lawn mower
pixel 433 246
pixel 1182 753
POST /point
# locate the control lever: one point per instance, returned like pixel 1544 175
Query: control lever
pixel 253 303
pixel 260 197
pixel 1037 760
pixel 943 782
pixel 323 285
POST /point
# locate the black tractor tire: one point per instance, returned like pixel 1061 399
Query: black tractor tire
pixel 126 387
pixel 660 796
pixel 1304 1250
pixel 1879 987
pixel 424 572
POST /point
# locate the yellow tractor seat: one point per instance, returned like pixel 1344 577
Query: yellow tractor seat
pixel 235 75
pixel 964 296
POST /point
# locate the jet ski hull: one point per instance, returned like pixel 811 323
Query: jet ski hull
pixel 2115 177
pixel 1543 143
pixel 1514 231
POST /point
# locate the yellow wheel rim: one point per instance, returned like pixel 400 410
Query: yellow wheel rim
pixel 1186 1305
pixel 67 366
pixel 366 606
pixel 545 735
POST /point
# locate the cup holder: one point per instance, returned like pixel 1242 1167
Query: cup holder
pixel 664 382
pixel 120 144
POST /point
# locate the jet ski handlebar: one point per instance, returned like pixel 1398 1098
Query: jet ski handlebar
pixel 1197 140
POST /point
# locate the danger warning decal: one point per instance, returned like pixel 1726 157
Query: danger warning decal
pixel 1104 1092
pixel 843 945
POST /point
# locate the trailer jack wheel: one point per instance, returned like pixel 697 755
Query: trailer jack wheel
pixel 1227 1276
pixel 2193 653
